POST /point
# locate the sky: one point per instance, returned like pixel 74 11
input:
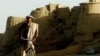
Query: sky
pixel 22 8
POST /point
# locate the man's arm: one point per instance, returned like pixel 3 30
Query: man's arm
pixel 21 31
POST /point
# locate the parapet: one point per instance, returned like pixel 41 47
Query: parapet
pixel 91 8
pixel 13 21
pixel 95 1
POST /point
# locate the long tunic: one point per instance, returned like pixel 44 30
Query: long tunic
pixel 28 33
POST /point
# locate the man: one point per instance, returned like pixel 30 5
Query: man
pixel 29 32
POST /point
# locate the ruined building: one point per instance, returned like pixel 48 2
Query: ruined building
pixel 62 31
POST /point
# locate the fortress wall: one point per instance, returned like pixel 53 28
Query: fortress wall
pixel 12 26
pixel 52 7
pixel 38 11
pixel 11 35
pixel 94 1
pixel 13 21
pixel 87 25
pixel 52 27
pixel 51 13
pixel 90 23
pixel 90 8
pixel 93 8
pixel 89 19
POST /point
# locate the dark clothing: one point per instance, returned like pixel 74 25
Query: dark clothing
pixel 24 31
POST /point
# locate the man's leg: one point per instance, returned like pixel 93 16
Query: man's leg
pixel 24 49
pixel 30 45
pixel 24 53
pixel 33 47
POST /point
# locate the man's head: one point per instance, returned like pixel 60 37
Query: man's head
pixel 29 19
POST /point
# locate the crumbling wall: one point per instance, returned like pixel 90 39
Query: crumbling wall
pixel 94 0
pixel 10 41
pixel 87 29
pixel 52 27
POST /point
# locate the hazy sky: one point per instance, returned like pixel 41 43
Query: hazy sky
pixel 21 8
